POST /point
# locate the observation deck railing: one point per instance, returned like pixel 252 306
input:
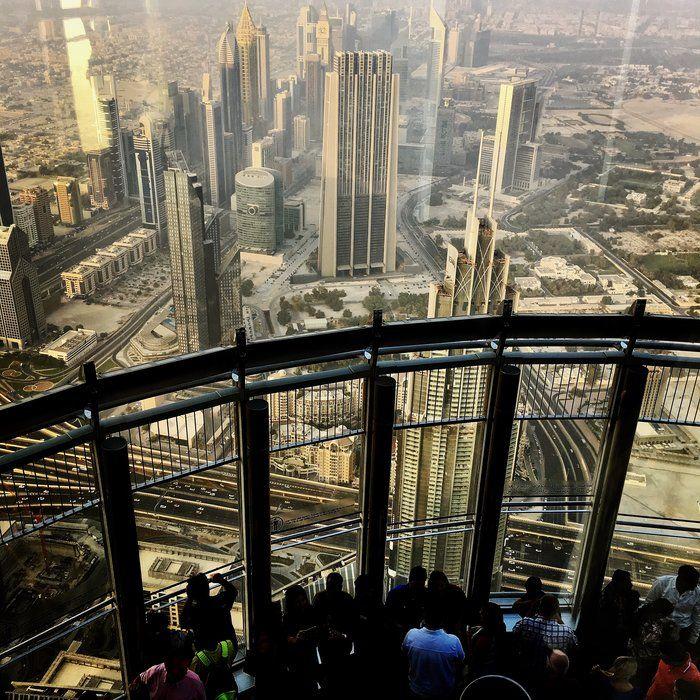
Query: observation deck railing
pixel 108 441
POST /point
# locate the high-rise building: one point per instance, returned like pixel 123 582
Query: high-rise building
pixel 436 57
pixel 182 105
pixel 302 133
pixel 315 87
pixel 149 153
pixel 283 120
pixel 5 199
pixel 435 469
pixel 25 219
pixel 70 209
pixel 246 36
pixel 262 39
pixel 324 39
pixel 509 160
pixel 259 209
pixel 101 173
pixel 247 132
pixel 109 129
pixel 188 264
pixel 444 135
pixel 40 199
pixel 263 153
pixel 306 36
pixel 22 320
pixel 214 158
pixel 359 168
pixel 229 290
pixel 477 46
pixel 230 79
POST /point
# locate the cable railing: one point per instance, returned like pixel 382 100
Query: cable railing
pixel 184 419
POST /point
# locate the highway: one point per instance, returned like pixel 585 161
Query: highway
pixel 418 243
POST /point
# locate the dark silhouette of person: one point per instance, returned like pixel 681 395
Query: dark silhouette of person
pixel 301 634
pixel 405 603
pixel 209 616
pixel 527 604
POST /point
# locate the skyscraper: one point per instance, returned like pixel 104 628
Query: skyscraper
pixel 214 160
pixel 70 209
pixel 5 200
pixel 259 209
pixel 435 470
pixel 40 199
pixel 262 39
pixel 509 160
pixel 188 267
pixel 22 320
pixel 101 174
pixel 444 135
pixel 476 47
pixel 359 168
pixel 324 40
pixel 230 79
pixel 315 88
pixel 109 129
pixel 436 57
pixel 247 38
pixel 263 153
pixel 306 36
pixel 149 152
pixel 283 120
pixel 182 105
pixel 26 220
pixel 301 133
pixel 229 289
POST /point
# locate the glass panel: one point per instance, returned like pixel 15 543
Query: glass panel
pixel 554 457
pixel 542 541
pixel 658 526
pixel 565 390
pixel 672 395
pixel 447 395
pixel 305 415
pixel 310 484
pixel 186 442
pixel 50 575
pixel 187 526
pixel 414 544
pixel 308 559
pixel 86 658
pixel 434 482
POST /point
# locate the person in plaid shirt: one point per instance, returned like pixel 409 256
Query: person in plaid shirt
pixel 547 627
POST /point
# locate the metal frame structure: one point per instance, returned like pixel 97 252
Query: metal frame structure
pixel 517 349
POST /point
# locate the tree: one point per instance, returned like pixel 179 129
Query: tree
pixel 284 316
pixel 246 287
pixel 374 300
pixel 436 199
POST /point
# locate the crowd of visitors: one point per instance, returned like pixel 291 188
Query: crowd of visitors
pixel 429 641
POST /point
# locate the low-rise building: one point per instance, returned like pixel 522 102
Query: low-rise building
pixel 638 198
pixel 672 186
pixel 555 267
pixel 79 281
pixel 72 346
pixel 100 269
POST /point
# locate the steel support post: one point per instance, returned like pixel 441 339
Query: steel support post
pixel 610 481
pixel 255 514
pixel 379 436
pixel 122 551
pixel 504 397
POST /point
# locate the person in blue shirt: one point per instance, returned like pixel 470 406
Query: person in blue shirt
pixel 435 658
